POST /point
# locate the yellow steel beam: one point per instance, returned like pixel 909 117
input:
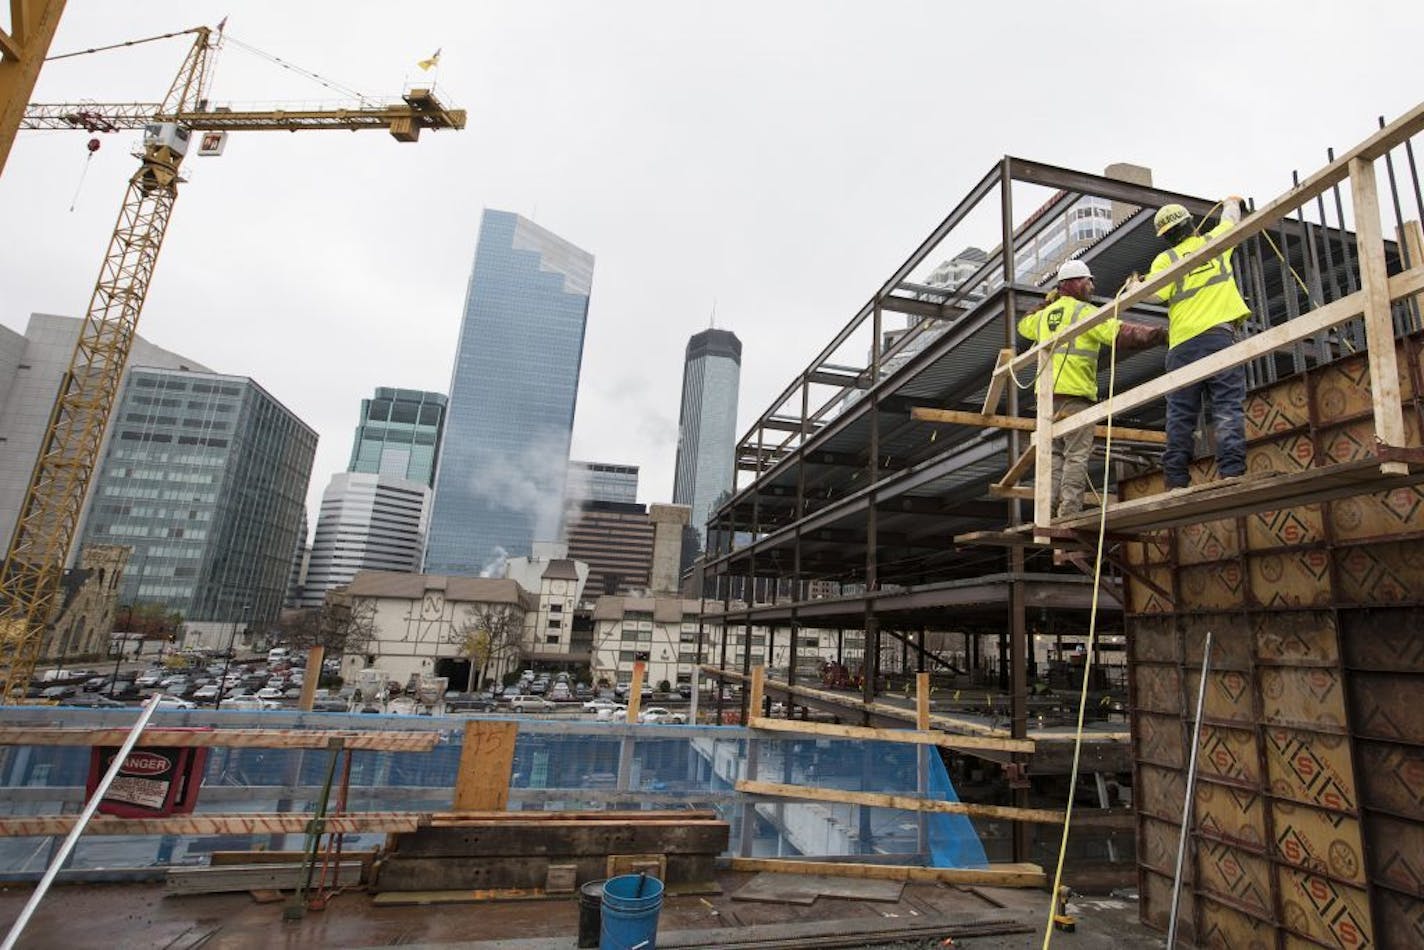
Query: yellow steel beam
pixel 22 52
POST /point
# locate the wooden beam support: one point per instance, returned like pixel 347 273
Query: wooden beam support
pixel 635 691
pixel 922 700
pixel 1021 465
pixel 756 699
pixel 998 382
pixel 998 875
pixel 1379 325
pixel 1040 816
pixel 926 736
pixel 247 823
pixel 311 678
pixel 486 760
pixel 960 418
pixel 412 741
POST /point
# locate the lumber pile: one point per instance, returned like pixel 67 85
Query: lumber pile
pixel 515 850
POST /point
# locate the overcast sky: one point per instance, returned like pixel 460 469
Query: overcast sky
pixel 778 158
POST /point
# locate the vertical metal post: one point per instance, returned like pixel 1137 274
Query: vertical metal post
pixel 72 838
pixel 1190 794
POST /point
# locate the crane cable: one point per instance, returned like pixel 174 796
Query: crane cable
pixel 125 43
pixel 1092 636
pixel 320 80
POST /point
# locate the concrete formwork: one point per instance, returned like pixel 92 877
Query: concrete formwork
pixel 1308 824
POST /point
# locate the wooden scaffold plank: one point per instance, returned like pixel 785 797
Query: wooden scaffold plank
pixel 226 738
pixel 871 734
pixel 1041 816
pixel 998 875
pixel 231 824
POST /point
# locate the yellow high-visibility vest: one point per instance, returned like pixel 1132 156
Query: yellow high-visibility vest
pixel 1075 364
pixel 1206 296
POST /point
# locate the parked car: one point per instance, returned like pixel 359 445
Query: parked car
pixel 248 704
pixel 531 704
pixel 560 691
pixel 206 693
pixel 655 714
pixel 93 701
pixel 175 702
pixel 684 690
pixel 269 692
pixel 150 679
pixel 96 683
pixel 456 701
pixel 594 705
pixel 59 692
pixel 613 714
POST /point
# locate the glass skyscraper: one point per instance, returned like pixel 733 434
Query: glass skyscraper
pixel 707 428
pixel 205 478
pixel 602 481
pixel 399 434
pixel 503 462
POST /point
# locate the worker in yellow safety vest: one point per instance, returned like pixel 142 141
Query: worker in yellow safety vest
pixel 1204 313
pixel 1075 372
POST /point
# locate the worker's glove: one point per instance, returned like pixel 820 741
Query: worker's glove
pixel 1132 283
pixel 1231 208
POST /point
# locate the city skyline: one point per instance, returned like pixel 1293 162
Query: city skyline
pixel 502 472
pixel 345 275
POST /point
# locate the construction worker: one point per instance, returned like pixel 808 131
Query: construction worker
pixel 1075 373
pixel 1204 311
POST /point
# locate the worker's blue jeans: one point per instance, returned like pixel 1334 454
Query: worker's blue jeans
pixel 1227 392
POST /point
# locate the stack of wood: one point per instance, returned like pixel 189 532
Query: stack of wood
pixel 552 850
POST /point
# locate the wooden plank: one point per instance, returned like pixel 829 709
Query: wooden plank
pixel 486 760
pixel 1379 325
pixel 1411 236
pixel 756 700
pixel 1024 424
pixel 919 930
pixel 1405 284
pixel 238 824
pixel 412 741
pixel 1039 816
pixel 856 706
pixel 400 872
pixel 312 678
pixel 1232 497
pixel 999 875
pixel 1043 487
pixel 565 839
pixel 1013 491
pixel 226 858
pixel 256 877
pixel 476 896
pixel 922 700
pixel 1373 147
pixel 1021 465
pixel 779 888
pixel 454 818
pixel 635 691
pixel 998 382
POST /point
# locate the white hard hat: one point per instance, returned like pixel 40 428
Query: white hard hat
pixel 1072 270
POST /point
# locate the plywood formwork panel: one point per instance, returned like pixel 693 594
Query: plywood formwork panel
pixel 1290 579
pixel 1325 910
pixel 1308 822
pixel 1155 895
pixel 1235 876
pixel 1225 928
pixel 1232 815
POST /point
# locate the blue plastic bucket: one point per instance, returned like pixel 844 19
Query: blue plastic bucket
pixel 631 904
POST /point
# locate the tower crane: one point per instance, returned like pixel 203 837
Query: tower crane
pixel 49 515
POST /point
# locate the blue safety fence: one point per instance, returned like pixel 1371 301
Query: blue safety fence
pixel 558 764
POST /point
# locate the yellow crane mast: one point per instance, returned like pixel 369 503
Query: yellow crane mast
pixel 34 561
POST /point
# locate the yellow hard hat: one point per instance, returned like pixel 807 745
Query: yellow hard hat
pixel 1168 217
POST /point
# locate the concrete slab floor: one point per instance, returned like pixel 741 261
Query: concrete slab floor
pixel 140 916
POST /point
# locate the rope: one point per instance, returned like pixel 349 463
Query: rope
pixel 292 67
pixel 1092 640
pixel 103 49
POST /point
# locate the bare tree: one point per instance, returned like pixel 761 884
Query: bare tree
pixel 343 624
pixel 488 634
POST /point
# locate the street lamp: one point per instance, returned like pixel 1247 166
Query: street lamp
pixel 118 648
pixel 227 660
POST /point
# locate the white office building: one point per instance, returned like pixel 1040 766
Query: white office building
pixel 367 523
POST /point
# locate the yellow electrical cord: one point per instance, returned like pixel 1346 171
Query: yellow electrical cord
pixel 1092 637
